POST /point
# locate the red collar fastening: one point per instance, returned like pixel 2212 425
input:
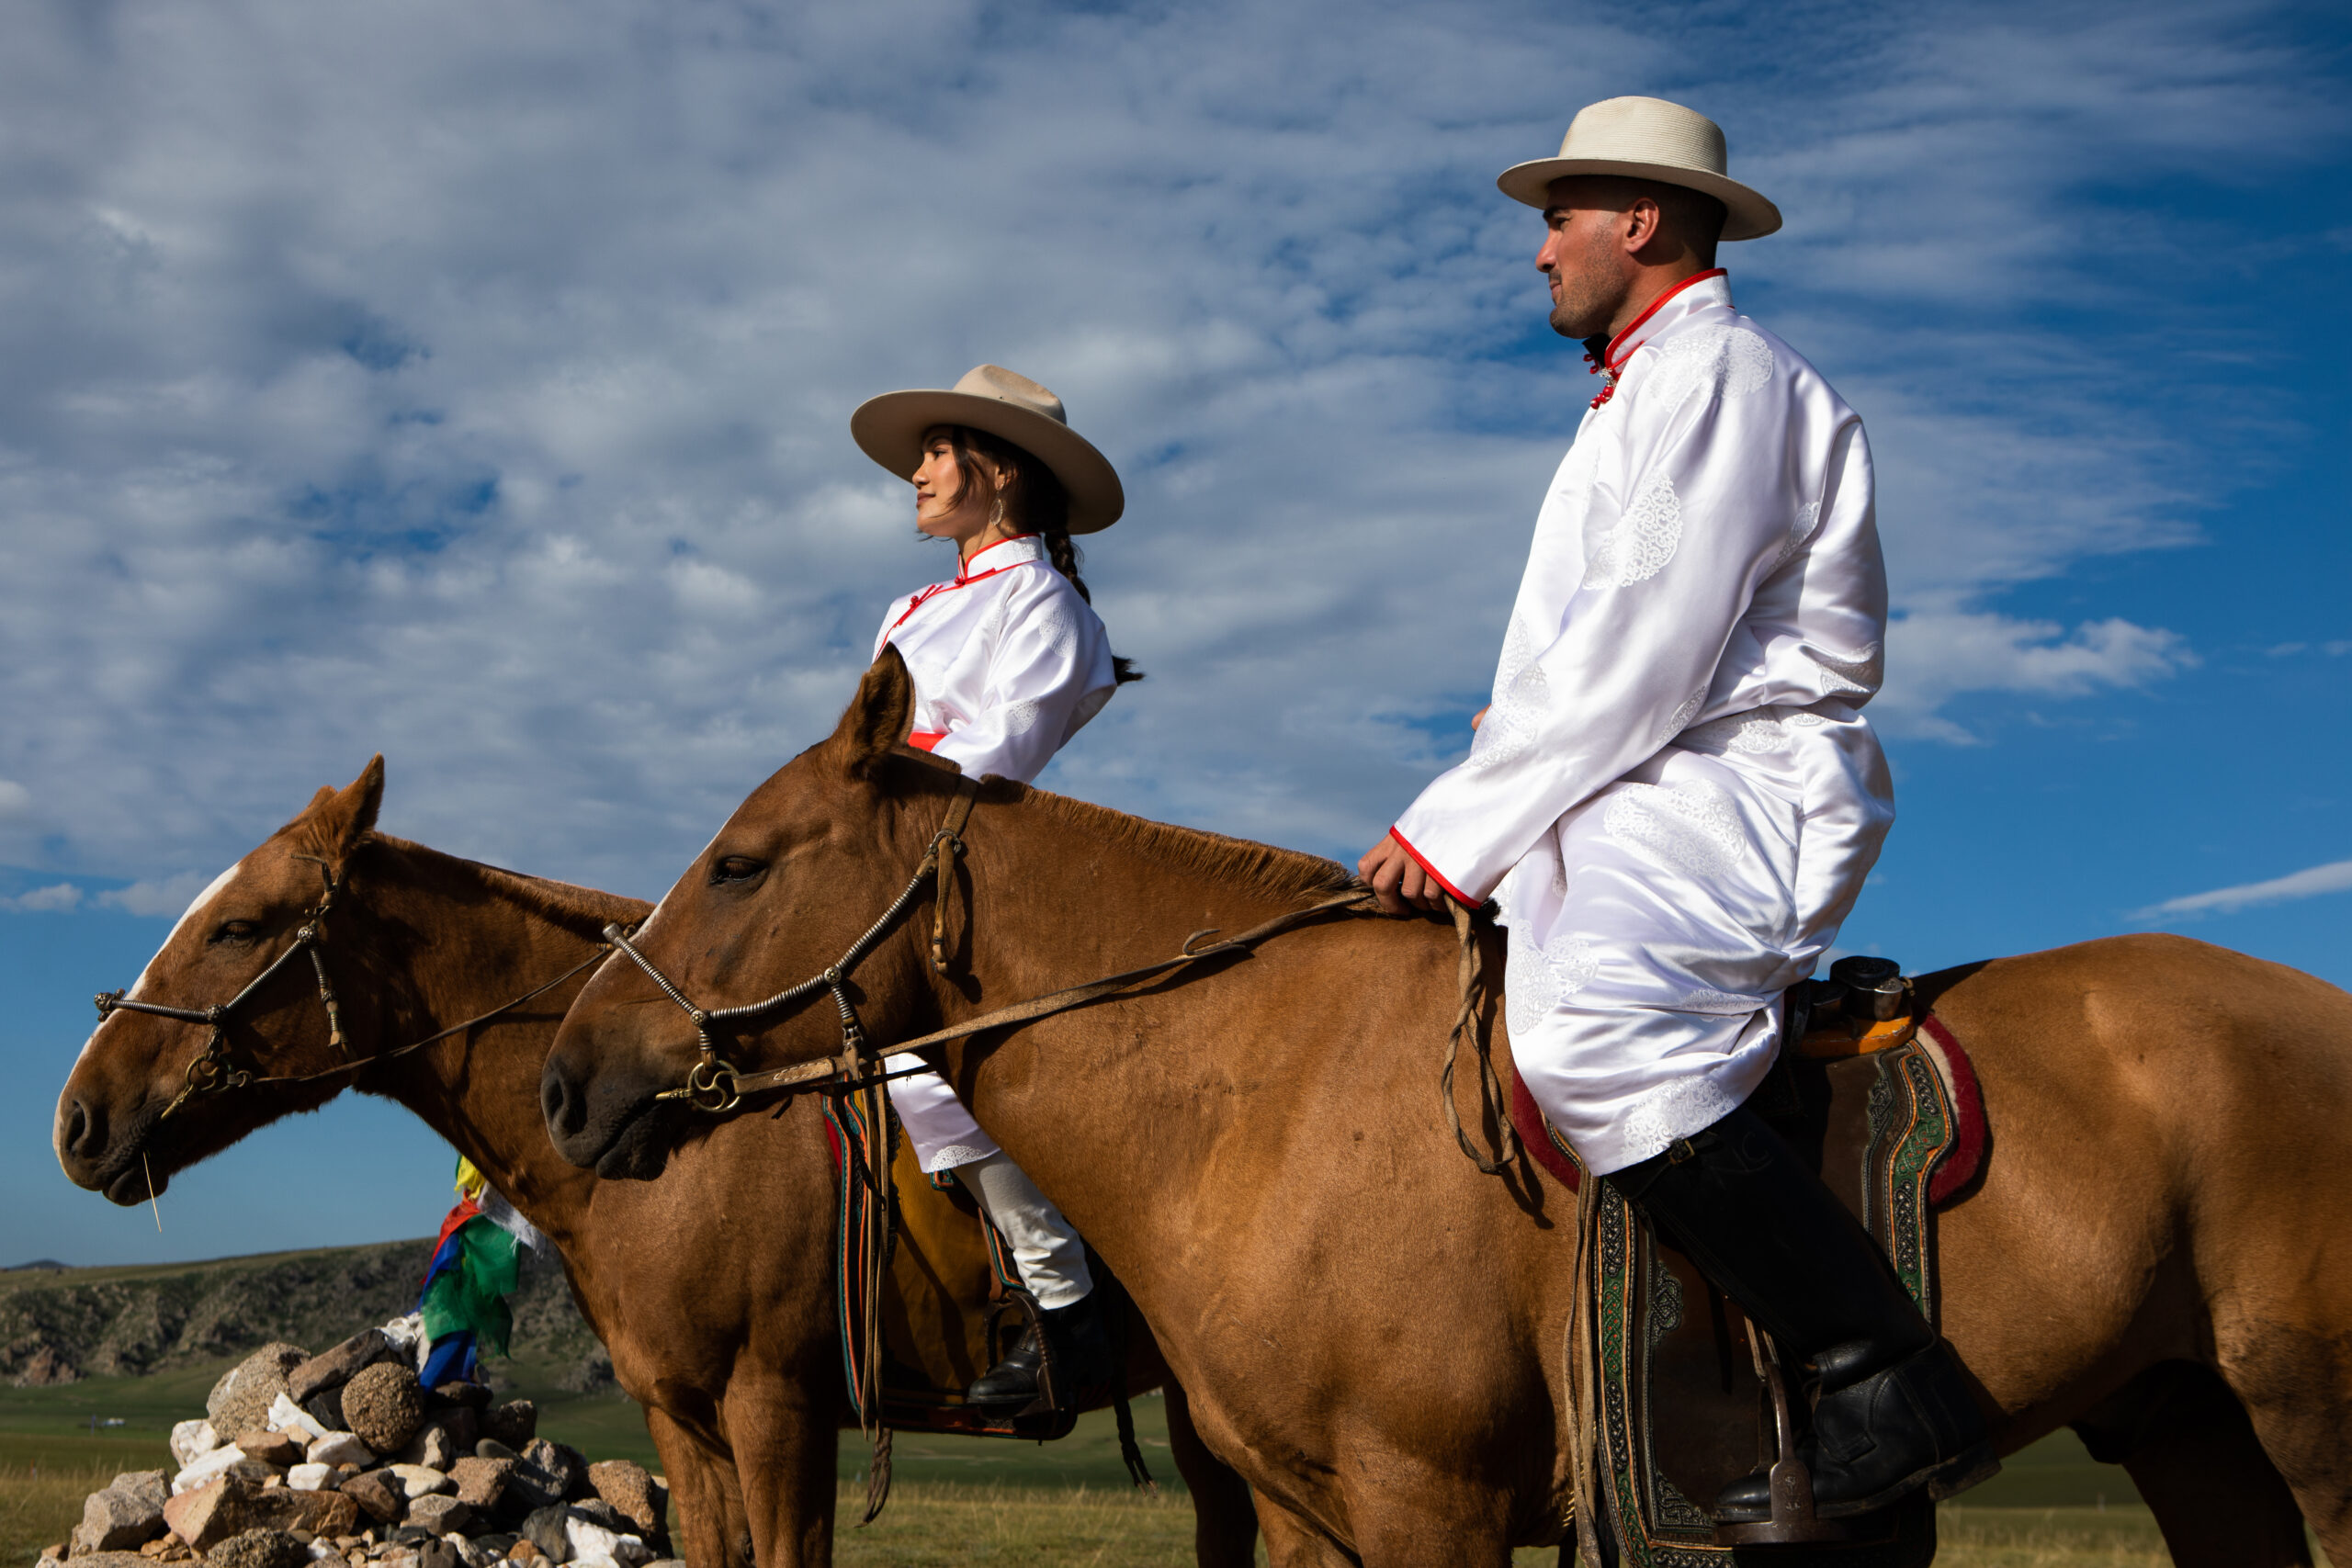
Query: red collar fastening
pixel 1615 363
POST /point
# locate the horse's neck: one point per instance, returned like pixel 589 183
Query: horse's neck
pixel 1064 892
pixel 477 946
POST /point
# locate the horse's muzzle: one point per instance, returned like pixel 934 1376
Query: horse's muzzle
pixel 95 1159
pixel 600 1108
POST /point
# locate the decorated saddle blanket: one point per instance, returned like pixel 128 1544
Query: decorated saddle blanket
pixel 1890 1115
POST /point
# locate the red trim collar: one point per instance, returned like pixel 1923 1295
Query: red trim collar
pixel 965 578
pixel 964 568
pixel 1614 362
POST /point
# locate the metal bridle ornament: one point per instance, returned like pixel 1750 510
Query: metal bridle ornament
pixel 210 1070
pixel 714 1083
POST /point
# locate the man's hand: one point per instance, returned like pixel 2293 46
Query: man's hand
pixel 1397 879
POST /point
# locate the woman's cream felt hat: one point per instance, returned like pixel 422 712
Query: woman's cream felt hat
pixel 1647 139
pixel 890 429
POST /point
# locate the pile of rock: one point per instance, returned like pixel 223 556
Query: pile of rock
pixel 343 1457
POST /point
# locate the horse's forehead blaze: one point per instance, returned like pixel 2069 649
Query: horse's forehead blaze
pixel 196 907
pixel 664 903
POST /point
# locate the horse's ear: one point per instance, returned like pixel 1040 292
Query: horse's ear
pixel 341 818
pixel 878 718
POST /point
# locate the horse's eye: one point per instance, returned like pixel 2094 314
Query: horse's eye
pixel 236 930
pixel 735 868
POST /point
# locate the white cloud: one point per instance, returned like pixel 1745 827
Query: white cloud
pixel 2333 877
pixel 54 900
pixel 1950 653
pixel 166 899
pixel 472 383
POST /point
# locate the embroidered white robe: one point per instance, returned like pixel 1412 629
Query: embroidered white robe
pixel 1009 663
pixel 1674 796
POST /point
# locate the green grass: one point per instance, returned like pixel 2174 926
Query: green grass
pixel 933 1523
pixel 933 1526
pixel 1088 1458
pixel 985 1501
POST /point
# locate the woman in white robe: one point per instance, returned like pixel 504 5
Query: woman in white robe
pixel 1009 660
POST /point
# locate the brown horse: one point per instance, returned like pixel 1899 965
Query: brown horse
pixel 1371 1332
pixel 712 1290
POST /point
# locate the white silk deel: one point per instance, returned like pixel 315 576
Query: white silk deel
pixel 1674 796
pixel 1009 663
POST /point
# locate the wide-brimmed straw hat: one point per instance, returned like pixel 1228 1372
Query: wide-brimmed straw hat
pixel 889 430
pixel 1647 139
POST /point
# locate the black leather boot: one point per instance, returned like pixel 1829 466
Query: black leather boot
pixel 1894 1412
pixel 1080 1343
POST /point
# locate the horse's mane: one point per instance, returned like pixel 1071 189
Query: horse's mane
pixel 1261 869
pixel 567 904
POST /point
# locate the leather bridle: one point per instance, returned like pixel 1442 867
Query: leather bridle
pixel 211 1070
pixel 714 1083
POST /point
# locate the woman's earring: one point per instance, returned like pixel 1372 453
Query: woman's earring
pixel 996 512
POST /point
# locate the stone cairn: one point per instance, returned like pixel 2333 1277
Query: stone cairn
pixel 343 1458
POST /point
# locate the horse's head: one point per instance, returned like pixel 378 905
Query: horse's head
pixel 800 870
pixel 112 1133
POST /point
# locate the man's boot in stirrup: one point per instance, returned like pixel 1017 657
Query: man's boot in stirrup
pixel 1894 1413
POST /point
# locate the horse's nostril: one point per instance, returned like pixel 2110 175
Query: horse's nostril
pixel 555 1104
pixel 77 1128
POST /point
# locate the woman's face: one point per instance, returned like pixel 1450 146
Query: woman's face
pixel 942 508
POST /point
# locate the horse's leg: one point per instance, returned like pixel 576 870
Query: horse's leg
pixel 1395 1524
pixel 1293 1541
pixel 1225 1521
pixel 703 1489
pixel 786 1443
pixel 1405 1532
pixel 2297 1389
pixel 2191 1449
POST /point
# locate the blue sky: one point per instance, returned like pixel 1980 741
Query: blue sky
pixel 472 385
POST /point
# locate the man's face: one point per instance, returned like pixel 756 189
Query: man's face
pixel 1585 260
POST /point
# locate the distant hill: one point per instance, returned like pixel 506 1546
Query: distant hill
pixel 60 1325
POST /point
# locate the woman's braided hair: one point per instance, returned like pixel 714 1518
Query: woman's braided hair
pixel 1036 503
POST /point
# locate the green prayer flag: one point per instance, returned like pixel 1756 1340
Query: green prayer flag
pixel 472 1293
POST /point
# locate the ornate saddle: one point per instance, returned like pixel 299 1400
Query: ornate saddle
pixel 1884 1104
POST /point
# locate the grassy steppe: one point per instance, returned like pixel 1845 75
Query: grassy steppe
pixel 972 1501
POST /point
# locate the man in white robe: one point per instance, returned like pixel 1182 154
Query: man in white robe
pixel 1674 796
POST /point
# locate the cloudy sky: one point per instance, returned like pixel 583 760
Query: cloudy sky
pixel 470 383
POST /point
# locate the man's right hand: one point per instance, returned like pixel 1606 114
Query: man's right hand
pixel 1398 879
